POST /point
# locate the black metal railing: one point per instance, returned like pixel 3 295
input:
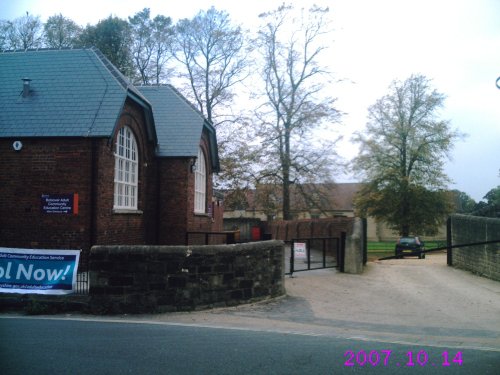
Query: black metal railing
pixel 320 252
pixel 82 277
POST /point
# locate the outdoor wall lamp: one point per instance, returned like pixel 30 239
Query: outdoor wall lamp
pixel 193 166
pixel 17 145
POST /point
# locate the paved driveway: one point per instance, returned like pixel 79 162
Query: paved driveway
pixel 404 300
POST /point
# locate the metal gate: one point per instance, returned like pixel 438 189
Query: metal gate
pixel 306 254
pixel 82 278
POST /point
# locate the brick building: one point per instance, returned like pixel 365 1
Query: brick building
pixel 87 158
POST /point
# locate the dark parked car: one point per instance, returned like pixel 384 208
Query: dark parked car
pixel 409 246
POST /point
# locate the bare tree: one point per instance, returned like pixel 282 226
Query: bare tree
pixel 296 101
pixel 162 32
pixel 151 41
pixel 142 43
pixel 4 37
pixel 210 49
pixel 22 33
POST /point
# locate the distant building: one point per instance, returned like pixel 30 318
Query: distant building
pixel 306 201
pixel 259 206
pixel 88 158
pixel 256 207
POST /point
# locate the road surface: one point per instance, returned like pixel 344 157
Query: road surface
pixel 398 312
pixel 66 346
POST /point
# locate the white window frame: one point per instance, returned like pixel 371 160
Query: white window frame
pixel 200 184
pixel 126 170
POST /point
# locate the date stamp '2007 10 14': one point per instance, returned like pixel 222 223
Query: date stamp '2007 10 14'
pixel 383 358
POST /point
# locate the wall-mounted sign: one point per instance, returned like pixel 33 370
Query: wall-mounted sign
pixel 299 250
pixel 60 203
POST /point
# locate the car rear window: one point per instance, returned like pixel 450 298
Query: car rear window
pixel 408 240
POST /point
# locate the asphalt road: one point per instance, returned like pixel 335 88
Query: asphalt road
pixel 83 346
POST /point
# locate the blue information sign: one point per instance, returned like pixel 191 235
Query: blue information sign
pixel 60 203
pixel 38 271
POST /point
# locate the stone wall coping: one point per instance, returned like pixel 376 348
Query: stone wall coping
pixel 478 219
pixel 184 250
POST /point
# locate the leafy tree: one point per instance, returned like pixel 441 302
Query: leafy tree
pixel 402 153
pixel 463 202
pixel 22 33
pixel 493 196
pixel 235 199
pixel 490 207
pixel 113 38
pixel 61 32
pixel 150 46
pixel 239 168
pixel 295 101
pixel 210 48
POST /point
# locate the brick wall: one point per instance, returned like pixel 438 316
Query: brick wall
pixel 218 214
pixel 86 166
pixel 44 166
pixel 139 279
pixel 112 227
pixel 74 165
pixel 173 200
pixel 484 259
pixel 176 200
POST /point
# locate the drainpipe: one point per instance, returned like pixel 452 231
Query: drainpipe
pixel 93 192
pixel 158 205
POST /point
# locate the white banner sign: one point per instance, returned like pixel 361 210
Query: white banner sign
pixel 299 249
pixel 38 271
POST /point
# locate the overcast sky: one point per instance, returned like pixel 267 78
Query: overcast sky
pixel 456 43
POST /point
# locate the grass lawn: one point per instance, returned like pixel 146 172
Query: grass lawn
pixel 378 250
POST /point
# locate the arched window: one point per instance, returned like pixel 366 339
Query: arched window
pixel 126 162
pixel 200 183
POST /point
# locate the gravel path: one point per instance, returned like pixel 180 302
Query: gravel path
pixel 404 300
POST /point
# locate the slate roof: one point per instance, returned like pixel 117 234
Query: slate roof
pixel 179 125
pixel 74 93
pixel 79 93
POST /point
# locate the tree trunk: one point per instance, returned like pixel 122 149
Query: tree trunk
pixel 286 176
pixel 405 209
pixel 286 199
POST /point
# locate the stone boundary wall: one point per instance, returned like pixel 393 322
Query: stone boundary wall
pixel 139 279
pixel 483 260
pixel 309 228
